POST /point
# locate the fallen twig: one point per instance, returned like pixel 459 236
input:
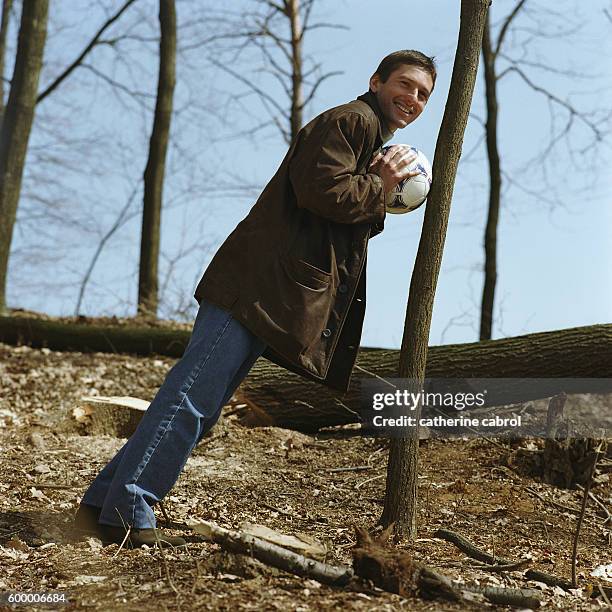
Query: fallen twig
pixel 602 590
pixel 521 598
pixel 608 516
pixel 359 485
pixel 163 511
pixel 552 502
pixel 548 579
pixel 354 468
pixel 165 562
pixel 276 556
pixel 469 549
pixel 501 567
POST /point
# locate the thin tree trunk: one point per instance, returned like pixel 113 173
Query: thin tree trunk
pixel 402 469
pixel 297 101
pixel 154 171
pixel 4 23
pixel 495 180
pixel 17 123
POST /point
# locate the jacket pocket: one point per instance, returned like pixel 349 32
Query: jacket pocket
pixel 307 275
pixel 303 303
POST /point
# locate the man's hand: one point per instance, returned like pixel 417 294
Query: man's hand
pixel 392 167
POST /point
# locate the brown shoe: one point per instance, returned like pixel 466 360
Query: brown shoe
pixel 140 537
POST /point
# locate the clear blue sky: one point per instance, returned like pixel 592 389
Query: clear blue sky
pixel 553 260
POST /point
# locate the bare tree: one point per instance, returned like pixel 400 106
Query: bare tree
pixel 278 31
pixel 402 469
pixel 19 159
pixel 156 163
pixel 17 123
pixel 493 53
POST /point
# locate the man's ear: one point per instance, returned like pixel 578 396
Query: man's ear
pixel 374 82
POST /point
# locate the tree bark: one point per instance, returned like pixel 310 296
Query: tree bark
pixel 495 181
pixel 17 123
pixel 297 101
pixel 4 23
pixel 156 164
pixel 402 469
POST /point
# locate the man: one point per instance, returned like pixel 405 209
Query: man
pixel 288 283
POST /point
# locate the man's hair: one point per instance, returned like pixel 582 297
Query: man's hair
pixel 408 57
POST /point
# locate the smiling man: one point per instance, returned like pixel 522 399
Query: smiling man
pixel 288 283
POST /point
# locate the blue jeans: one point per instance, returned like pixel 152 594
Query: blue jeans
pixel 219 355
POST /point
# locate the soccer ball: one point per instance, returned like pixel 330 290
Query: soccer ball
pixel 410 193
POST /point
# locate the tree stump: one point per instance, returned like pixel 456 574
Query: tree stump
pixel 566 458
pixel 567 461
pixel 109 416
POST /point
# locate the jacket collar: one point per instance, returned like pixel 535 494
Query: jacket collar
pixel 384 133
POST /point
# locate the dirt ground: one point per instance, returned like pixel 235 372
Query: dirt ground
pixel 270 476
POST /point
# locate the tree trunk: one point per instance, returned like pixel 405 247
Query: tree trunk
pixel 495 180
pixel 4 23
pixel 297 102
pixel 82 337
pixel 402 469
pixel 154 171
pixel 17 124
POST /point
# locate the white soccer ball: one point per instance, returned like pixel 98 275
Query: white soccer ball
pixel 410 193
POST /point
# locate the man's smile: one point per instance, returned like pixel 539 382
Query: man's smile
pixel 406 110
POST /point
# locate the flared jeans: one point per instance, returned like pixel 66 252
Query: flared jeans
pixel 219 355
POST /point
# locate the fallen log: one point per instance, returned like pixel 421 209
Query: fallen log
pixel 281 398
pixel 579 354
pixel 86 337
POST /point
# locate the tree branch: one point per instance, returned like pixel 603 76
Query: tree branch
pixel 260 92
pixel 121 219
pixel 506 25
pixel 553 98
pixel 317 84
pixel 306 18
pixel 92 43
pixel 333 26
pixel 569 73
pixel 120 86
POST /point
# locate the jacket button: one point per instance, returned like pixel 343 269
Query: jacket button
pixel 342 288
pixel 326 333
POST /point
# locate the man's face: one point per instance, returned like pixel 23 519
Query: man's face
pixel 403 96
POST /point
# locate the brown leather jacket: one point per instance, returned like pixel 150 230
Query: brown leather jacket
pixel 293 270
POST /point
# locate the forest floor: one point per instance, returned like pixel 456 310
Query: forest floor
pixel 269 476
